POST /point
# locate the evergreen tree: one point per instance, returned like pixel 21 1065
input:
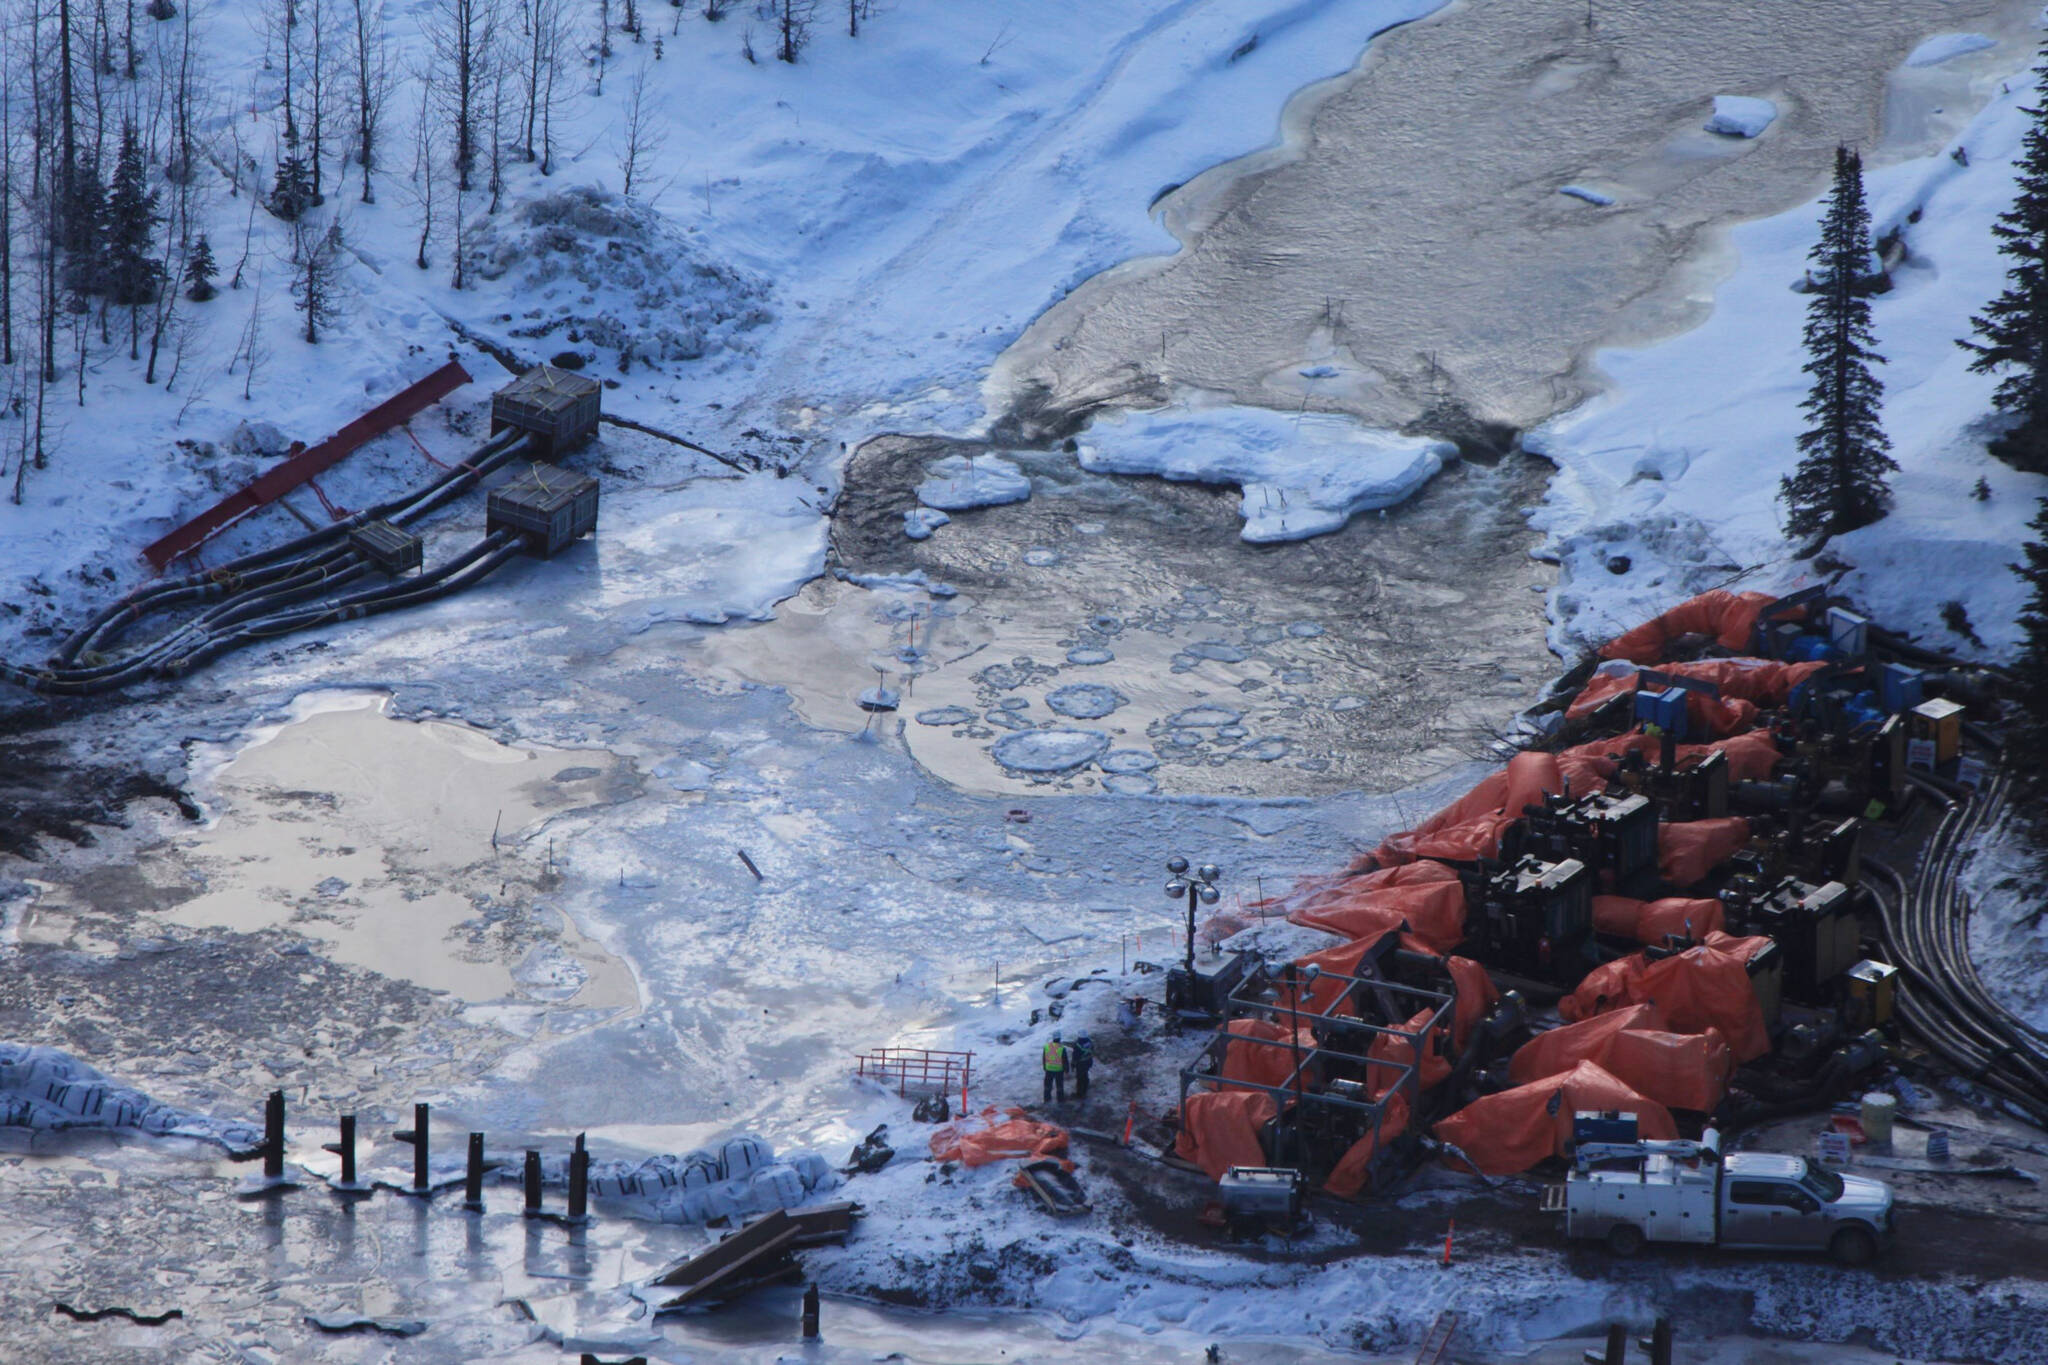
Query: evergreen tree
pixel 2026 734
pixel 2012 331
pixel 1839 484
pixel 291 193
pixel 85 233
pixel 131 272
pixel 200 271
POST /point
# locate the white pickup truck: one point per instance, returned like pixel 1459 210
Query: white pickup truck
pixel 1629 1193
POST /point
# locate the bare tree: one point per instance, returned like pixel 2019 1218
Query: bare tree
pixel 544 36
pixel 252 351
pixel 423 173
pixel 460 34
pixel 369 64
pixel 604 40
pixel 640 139
pixel 793 27
pixel 319 64
pixel 315 285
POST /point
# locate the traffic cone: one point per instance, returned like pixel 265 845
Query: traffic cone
pixel 1448 1233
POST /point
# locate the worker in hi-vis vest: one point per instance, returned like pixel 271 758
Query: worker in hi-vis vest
pixel 1055 1060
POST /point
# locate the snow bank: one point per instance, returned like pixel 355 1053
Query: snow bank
pixel 1741 115
pixel 591 269
pixel 741 1178
pixel 1942 46
pixel 959 483
pixel 1302 474
pixel 1672 475
pixel 2008 942
pixel 46 1088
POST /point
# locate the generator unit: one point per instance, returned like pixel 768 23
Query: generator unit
pixel 1534 918
pixel 1613 834
pixel 1816 929
pixel 1204 992
pixel 1258 1198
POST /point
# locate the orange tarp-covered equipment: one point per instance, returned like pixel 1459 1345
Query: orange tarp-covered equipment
pixel 1745 685
pixel 1470 827
pixel 1018 1135
pixel 1730 617
pixel 1262 1063
pixel 1433 1066
pixel 1654 921
pixel 1348 1176
pixel 1475 995
pixel 1509 1132
pixel 1752 755
pixel 1678 1070
pixel 1426 896
pixel 1220 1129
pixel 1343 960
pixel 1689 850
pixel 1698 989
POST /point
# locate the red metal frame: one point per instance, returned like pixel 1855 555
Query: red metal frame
pixel 921 1069
pixel 298 468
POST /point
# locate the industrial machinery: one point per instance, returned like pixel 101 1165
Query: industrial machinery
pixel 1533 918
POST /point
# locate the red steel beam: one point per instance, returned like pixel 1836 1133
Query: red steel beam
pixel 313 460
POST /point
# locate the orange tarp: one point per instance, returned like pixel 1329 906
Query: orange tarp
pixel 1678 1070
pixel 1343 960
pixel 1390 1047
pixel 1509 1132
pixel 1560 1049
pixel 1261 1063
pixel 1475 995
pixel 1729 617
pixel 1348 1178
pixel 1752 755
pixel 1018 1135
pixel 1690 849
pixel 1426 896
pixel 1220 1129
pixel 1745 684
pixel 1700 988
pixel 1653 921
pixel 1470 827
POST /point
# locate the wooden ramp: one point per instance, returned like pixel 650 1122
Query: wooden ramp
pixel 1436 1347
pixel 758 1253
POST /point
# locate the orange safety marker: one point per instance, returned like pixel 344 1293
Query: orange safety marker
pixel 1130 1122
pixel 1448 1232
pixel 963 1092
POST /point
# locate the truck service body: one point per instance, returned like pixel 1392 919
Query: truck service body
pixel 1676 1191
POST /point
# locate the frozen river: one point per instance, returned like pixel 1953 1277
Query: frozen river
pixel 584 853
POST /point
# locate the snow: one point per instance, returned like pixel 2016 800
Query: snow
pixel 1676 466
pixel 1085 701
pixel 46 1089
pixel 1301 474
pixel 1594 197
pixel 959 483
pixel 1741 115
pixel 1943 46
pixel 920 522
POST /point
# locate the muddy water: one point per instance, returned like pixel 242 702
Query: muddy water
pixel 374 837
pixel 1409 242
pixel 1131 610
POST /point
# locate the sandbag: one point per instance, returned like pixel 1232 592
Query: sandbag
pixel 1653 921
pixel 1509 1132
pixel 1689 850
pixel 1730 617
pixel 1347 1178
pixel 1220 1129
pixel 1017 1136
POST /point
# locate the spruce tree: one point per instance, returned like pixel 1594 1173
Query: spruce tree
pixel 2026 735
pixel 200 271
pixel 291 193
pixel 85 231
pixel 314 287
pixel 1839 484
pixel 2012 331
pixel 131 219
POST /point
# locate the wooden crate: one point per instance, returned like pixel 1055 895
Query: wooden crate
pixel 550 507
pixel 390 549
pixel 560 409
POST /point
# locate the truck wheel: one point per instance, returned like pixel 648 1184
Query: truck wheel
pixel 1853 1246
pixel 1624 1239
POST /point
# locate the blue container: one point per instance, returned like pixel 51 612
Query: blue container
pixel 1808 648
pixel 1665 709
pixel 1862 710
pixel 1606 1125
pixel 1899 688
